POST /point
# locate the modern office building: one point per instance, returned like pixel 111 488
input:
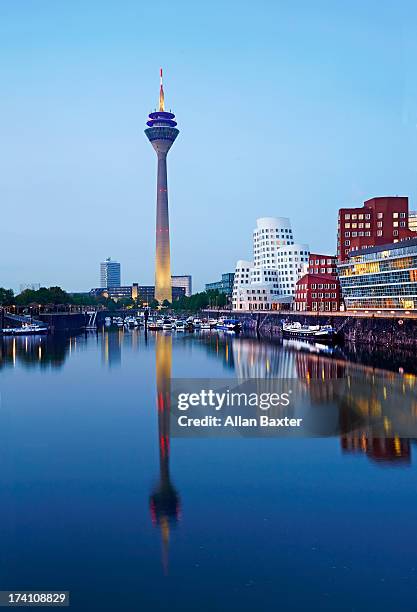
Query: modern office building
pixel 183 281
pixel 144 293
pixel 318 292
pixel 269 282
pixel 110 273
pixel 383 277
pixel 412 221
pixel 162 133
pixel 379 221
pixel 115 293
pixel 225 285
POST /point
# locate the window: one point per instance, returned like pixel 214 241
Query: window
pixel 347 216
pixel 379 233
pixel 395 215
pixel 347 234
pixel 347 242
pixel 380 215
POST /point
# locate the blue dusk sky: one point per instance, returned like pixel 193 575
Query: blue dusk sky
pixel 284 109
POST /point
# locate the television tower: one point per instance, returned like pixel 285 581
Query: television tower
pixel 161 133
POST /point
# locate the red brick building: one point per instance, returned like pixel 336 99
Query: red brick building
pixel 322 264
pixel 318 292
pixel 378 221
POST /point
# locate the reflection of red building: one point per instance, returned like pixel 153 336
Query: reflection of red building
pixel 381 450
pixel 318 292
pixel 379 221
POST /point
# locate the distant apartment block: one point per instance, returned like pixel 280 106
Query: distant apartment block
pixel 110 273
pixel 184 281
pixel 379 221
pixel 225 285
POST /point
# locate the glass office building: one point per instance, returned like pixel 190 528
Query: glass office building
pixel 225 285
pixel 382 277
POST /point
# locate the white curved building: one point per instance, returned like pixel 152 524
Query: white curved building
pixel 277 265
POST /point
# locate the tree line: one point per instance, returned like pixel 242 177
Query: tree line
pixel 57 296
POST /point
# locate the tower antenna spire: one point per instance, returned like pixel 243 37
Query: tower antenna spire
pixel 161 95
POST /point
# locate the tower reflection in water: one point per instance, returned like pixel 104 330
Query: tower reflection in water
pixel 164 500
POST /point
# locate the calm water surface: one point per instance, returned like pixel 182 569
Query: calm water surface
pixel 98 500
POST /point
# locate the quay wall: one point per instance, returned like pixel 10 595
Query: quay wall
pixel 64 321
pixel 388 331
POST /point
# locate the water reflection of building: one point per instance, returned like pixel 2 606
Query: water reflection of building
pixel 255 359
pixel 164 500
pixel 112 347
pixel 380 450
pixel 369 393
pixel 34 351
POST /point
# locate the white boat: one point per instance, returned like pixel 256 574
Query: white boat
pixel 27 329
pixel 167 324
pixel 325 333
pixel 231 325
pixel 205 324
pixel 212 323
pixel 197 323
pixel 180 326
pixel 155 324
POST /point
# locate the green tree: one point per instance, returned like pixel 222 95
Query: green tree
pixel 6 297
pixel 154 304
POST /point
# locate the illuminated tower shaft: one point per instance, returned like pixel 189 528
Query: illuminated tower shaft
pixel 161 134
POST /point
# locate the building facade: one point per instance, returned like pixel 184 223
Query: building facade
pixel 110 274
pixel 322 264
pixel 318 292
pixel 162 132
pixel 412 221
pixel 225 285
pixel 380 221
pixel 143 293
pixel 381 278
pixel 182 281
pixel 268 283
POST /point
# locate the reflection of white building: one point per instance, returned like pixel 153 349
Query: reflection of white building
pixel 260 360
pixel 278 264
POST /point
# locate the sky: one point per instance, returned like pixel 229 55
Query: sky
pixel 284 109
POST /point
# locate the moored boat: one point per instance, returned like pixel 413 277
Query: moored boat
pixel 323 333
pixel 27 329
